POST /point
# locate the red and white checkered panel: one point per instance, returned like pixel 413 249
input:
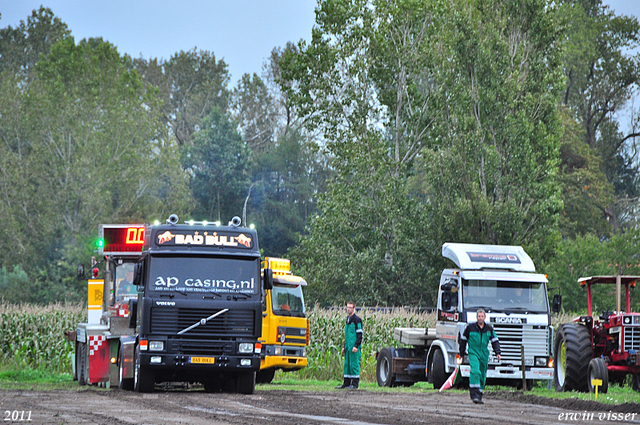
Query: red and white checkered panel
pixel 95 342
pixel 98 359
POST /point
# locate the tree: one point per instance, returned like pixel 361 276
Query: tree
pixel 464 93
pixel 586 191
pixel 191 85
pixel 217 163
pixel 86 147
pixel 601 77
pixel 21 47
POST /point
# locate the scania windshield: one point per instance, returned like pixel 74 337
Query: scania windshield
pixel 504 296
pixel 204 275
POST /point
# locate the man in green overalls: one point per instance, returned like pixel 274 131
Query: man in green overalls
pixel 477 336
pixel 352 348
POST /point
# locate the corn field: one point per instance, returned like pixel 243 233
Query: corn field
pixel 33 336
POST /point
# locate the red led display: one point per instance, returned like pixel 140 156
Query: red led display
pixel 121 239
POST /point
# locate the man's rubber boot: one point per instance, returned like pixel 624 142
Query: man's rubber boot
pixel 345 384
pixel 354 383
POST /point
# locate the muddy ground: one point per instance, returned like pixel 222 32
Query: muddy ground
pixel 360 407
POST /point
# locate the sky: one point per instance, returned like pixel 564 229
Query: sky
pixel 242 32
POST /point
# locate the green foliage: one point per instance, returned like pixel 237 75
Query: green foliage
pixel 442 122
pixel 32 337
pixel 590 256
pixel 217 162
pixel 602 73
pixel 81 144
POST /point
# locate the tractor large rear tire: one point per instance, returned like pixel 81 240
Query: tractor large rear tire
pixel 572 354
pixel 598 370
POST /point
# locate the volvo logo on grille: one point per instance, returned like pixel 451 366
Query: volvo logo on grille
pixel 509 320
pixel 169 303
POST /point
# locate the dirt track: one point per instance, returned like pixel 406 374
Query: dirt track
pixel 298 407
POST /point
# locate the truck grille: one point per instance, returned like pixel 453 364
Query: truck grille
pixel 171 320
pixel 211 348
pixel 631 338
pixel 511 337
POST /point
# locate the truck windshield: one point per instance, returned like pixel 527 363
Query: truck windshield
pixel 498 295
pixel 287 300
pixel 125 290
pixel 213 275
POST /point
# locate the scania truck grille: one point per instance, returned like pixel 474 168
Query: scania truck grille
pixel 631 338
pixel 171 320
pixel 512 337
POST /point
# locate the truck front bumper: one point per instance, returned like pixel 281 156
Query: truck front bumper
pixel 206 362
pixel 512 372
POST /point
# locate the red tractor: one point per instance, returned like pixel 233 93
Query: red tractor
pixel 605 348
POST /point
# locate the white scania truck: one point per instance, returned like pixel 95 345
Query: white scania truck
pixel 502 281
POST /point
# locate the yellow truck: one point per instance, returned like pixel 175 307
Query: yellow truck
pixel 285 326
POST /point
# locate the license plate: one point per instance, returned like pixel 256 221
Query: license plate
pixel 202 360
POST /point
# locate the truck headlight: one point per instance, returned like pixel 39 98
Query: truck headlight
pixel 277 351
pixel 156 345
pixel 245 347
pixel 304 352
pixel 541 361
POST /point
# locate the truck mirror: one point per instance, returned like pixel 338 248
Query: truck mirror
pixel 80 272
pixel 556 303
pixel 446 300
pixel 137 275
pixel 133 312
pixel 267 279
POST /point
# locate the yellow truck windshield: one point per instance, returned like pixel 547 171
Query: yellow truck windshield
pixel 287 300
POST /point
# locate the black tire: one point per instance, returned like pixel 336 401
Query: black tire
pixel 598 370
pixel 246 382
pixel 438 374
pixel 81 363
pixel 123 383
pixel 143 379
pixel 635 382
pixel 572 354
pixel 265 376
pixel 384 374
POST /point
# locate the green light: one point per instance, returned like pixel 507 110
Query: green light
pixel 100 243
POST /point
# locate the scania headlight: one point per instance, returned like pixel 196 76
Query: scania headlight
pixel 541 361
pixel 245 347
pixel 156 345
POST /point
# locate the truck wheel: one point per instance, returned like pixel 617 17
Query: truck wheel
pixel 81 362
pixel 246 382
pixel 572 354
pixel 438 374
pixel 265 376
pixel 123 383
pixel 598 370
pixel 143 378
pixel 384 376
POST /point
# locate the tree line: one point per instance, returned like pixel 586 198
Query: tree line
pixel 399 126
